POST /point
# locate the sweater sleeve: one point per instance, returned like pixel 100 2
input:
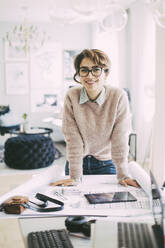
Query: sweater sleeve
pixel 120 136
pixel 73 139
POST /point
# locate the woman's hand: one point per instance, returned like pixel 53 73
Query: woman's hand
pixel 63 182
pixel 71 182
pixel 129 181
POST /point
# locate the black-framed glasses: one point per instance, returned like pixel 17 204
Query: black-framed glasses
pixel 84 71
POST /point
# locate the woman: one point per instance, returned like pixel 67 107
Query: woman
pixel 96 122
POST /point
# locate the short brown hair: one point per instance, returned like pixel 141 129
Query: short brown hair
pixel 96 55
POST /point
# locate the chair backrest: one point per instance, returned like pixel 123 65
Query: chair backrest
pixel 4 109
pixel 128 94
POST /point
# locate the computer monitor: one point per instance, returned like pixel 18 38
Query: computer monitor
pixel 158 208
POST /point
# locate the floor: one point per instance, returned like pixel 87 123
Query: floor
pixel 11 178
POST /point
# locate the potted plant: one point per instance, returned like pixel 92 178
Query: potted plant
pixel 25 126
pixel 24 116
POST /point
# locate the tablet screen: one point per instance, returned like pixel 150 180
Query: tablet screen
pixel 110 197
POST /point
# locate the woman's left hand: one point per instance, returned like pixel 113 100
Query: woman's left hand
pixel 63 182
pixel 129 181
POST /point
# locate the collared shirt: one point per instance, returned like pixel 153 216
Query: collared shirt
pixel 84 97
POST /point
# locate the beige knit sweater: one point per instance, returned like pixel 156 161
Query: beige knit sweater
pixel 101 131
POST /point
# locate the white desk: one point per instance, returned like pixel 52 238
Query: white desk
pixel 75 201
pixel 24 224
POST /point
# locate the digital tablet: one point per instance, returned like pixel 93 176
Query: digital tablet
pixel 110 197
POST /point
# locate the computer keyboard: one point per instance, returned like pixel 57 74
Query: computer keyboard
pixel 133 235
pixel 49 239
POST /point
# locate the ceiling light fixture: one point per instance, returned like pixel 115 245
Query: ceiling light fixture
pixel 24 36
pixel 111 14
pixel 116 19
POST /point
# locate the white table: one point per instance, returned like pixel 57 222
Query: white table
pixel 20 226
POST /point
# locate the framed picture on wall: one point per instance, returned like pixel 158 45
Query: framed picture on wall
pixel 46 67
pixel 15 54
pixel 46 101
pixel 69 70
pixel 17 78
pixel 46 78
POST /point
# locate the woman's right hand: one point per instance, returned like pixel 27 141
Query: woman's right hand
pixel 63 182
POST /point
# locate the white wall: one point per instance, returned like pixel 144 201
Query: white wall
pixel 141 54
pixel 113 43
pixel 158 145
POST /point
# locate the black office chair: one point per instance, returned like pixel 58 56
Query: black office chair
pixel 133 136
pixel 6 128
pixel 4 109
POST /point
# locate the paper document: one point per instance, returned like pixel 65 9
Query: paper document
pixel 141 176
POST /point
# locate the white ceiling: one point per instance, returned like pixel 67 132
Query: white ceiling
pixel 10 10
pixel 38 10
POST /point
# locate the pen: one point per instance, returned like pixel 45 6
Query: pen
pixel 60 195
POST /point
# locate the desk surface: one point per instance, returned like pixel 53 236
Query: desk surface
pixel 73 197
pixel 9 182
pixel 19 228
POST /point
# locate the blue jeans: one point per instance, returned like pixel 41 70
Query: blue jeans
pixel 93 166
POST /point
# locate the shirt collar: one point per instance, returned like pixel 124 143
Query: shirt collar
pixel 84 97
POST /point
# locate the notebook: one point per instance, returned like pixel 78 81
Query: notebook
pixel 120 234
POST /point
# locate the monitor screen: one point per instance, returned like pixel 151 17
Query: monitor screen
pixel 157 207
pixel 157 204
